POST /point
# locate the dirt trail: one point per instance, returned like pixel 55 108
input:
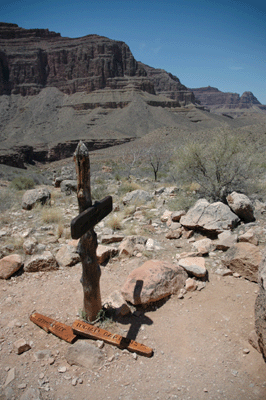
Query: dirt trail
pixel 198 341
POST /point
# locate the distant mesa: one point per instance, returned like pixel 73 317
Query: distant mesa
pixel 231 103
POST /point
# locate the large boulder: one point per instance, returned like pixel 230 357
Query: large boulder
pixel 241 205
pixel 9 265
pixel 152 281
pixel 68 186
pixel 211 218
pixel 41 195
pixel 137 197
pixel 67 255
pixel 260 307
pixel 244 258
pixel 41 262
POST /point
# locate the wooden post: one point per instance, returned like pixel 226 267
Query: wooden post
pixel 91 272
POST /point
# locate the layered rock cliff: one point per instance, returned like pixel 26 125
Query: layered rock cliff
pixel 168 85
pixel 31 59
pixel 226 102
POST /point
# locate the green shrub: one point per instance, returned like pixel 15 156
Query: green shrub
pixel 218 167
pixel 22 183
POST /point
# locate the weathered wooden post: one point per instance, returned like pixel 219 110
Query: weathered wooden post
pixel 82 227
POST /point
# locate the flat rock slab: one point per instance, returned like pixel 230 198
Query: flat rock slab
pixel 152 281
pixel 9 265
pixel 212 218
pixel 194 266
pixel 85 354
pixel 94 332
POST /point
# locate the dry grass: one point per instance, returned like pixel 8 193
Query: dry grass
pixel 51 215
pixel 115 221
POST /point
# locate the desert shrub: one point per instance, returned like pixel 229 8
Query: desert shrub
pixel 218 167
pixel 22 183
pixel 51 215
pixel 7 199
pixel 183 201
pixel 127 186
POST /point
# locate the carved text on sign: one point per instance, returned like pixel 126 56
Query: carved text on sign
pixel 60 330
pixel 93 332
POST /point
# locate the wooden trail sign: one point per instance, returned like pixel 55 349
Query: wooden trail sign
pixel 93 332
pixel 90 217
pixel 60 330
pixel 82 227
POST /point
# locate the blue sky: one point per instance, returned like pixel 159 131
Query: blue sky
pixel 203 42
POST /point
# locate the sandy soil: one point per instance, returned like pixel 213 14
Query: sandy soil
pixel 199 342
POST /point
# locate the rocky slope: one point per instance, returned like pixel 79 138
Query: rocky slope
pixel 229 103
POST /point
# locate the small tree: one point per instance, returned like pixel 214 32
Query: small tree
pixel 218 167
pixel 157 158
pixel 130 160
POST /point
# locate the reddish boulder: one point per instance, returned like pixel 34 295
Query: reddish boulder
pixel 244 258
pixel 9 265
pixel 152 281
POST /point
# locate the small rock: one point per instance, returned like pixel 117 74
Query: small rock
pixel 10 376
pixel 135 356
pixel 223 271
pixel 74 381
pixel 62 369
pixel 246 351
pixel 22 386
pixel 20 346
pixel 100 344
pixel 191 285
pixel 166 215
pixel 42 354
pixel 194 266
pixel 176 215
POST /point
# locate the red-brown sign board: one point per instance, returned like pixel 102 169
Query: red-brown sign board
pixel 60 330
pixel 93 332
